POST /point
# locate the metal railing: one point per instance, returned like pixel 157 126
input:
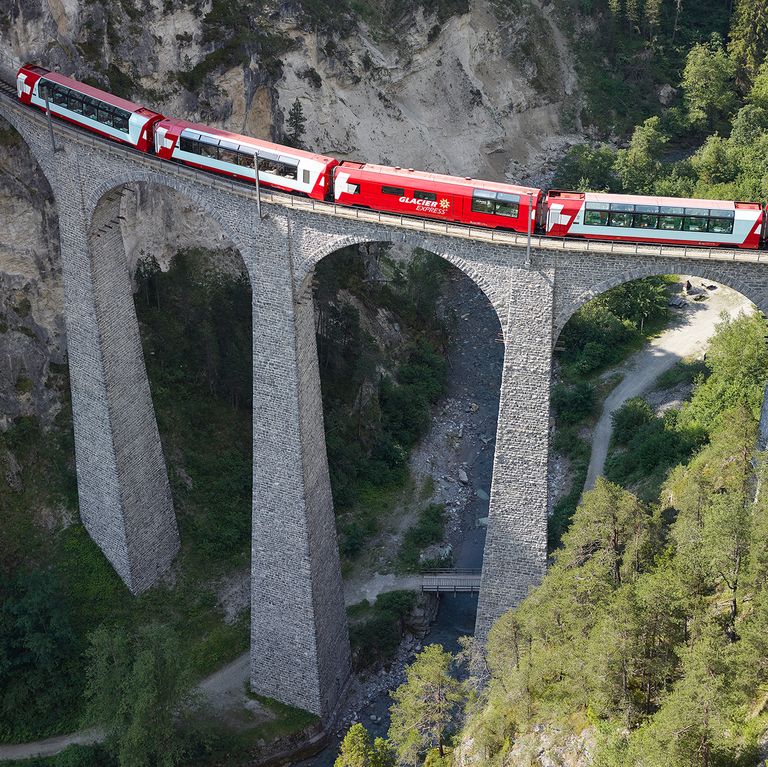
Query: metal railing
pixel 423 226
pixel 451 581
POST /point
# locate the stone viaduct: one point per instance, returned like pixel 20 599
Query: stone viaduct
pixel 299 645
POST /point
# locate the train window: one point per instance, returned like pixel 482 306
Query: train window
pixel 621 218
pixel 507 205
pixel 245 159
pixel 227 155
pixel 120 120
pixel 396 190
pixel 277 168
pixel 721 225
pixel 666 210
pixel 59 95
pixel 722 214
pixel 305 176
pixel 671 223
pixel 698 212
pixel 42 89
pixel 188 145
pixel 419 195
pixel 105 115
pixel 90 108
pixel 74 102
pixel 209 147
pixel 595 217
pixel 483 202
pixel 695 224
pixel 646 221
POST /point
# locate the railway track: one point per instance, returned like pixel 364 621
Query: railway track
pixel 459 231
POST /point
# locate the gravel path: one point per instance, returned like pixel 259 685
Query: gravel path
pixel 688 337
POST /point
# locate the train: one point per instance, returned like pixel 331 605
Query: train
pixel 401 191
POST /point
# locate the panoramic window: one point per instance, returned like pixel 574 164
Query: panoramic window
pixel 721 225
pixel 596 218
pixel 692 224
pixel 507 205
pixel 671 223
pixel 483 202
pixel 620 218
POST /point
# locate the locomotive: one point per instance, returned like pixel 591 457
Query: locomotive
pixel 406 192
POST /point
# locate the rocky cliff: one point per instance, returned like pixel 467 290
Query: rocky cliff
pixel 486 89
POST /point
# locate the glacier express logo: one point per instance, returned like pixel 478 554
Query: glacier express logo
pixel 428 206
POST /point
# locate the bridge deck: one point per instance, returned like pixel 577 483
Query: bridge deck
pixel 451 581
pixel 61 129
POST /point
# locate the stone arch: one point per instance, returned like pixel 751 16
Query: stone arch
pixel 190 192
pixel 318 253
pixel 716 271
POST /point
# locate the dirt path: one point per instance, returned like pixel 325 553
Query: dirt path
pixel 688 337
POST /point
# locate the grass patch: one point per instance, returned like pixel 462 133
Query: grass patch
pixel 428 530
pixel 686 371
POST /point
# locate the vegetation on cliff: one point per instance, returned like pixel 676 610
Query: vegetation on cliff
pixel 649 630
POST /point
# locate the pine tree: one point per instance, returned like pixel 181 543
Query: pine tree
pixel 355 749
pixel 749 38
pixel 136 686
pixel 426 707
pixel 296 125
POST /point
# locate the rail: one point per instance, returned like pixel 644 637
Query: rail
pixel 270 197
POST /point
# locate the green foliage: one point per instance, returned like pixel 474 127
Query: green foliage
pixel 639 166
pixel 358 749
pixel 373 419
pixel 749 37
pixel 651 446
pixel 428 530
pixel 588 169
pixel 37 644
pixel 651 625
pixel 425 708
pixel 375 631
pixel 738 362
pixel 708 84
pixel 136 686
pixel 196 332
pixel 296 125
pixel 573 403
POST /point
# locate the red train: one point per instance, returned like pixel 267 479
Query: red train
pixel 628 218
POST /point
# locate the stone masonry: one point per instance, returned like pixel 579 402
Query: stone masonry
pixel 299 645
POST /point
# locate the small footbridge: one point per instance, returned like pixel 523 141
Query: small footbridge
pixel 445 581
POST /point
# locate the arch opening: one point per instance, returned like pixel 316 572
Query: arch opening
pixel 192 297
pixel 410 355
pixel 628 361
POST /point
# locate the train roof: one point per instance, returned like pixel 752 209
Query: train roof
pixel 638 199
pixel 97 93
pixel 236 138
pixel 440 178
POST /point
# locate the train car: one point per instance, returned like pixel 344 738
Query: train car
pixel 90 108
pixel 662 220
pixel 435 196
pixel 280 167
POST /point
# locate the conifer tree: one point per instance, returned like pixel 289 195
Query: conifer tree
pixel 426 707
pixel 296 125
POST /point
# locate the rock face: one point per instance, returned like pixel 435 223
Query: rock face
pixel 32 340
pixel 485 92
pixel 489 91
